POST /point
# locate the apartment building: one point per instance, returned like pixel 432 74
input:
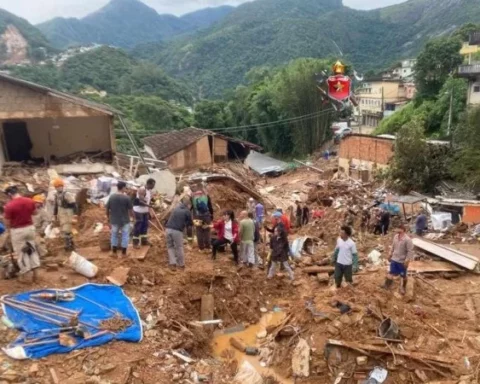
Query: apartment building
pixel 470 69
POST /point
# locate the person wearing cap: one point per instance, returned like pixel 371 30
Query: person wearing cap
pixel 141 209
pixel 400 257
pixel 18 215
pixel 119 209
pixel 41 220
pixel 279 218
pixel 63 212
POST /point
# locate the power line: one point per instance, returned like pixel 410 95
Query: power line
pixel 244 127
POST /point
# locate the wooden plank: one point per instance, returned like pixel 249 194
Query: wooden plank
pixel 53 374
pixel 432 266
pixel 207 308
pixel 447 254
pixel 413 355
pixel 315 270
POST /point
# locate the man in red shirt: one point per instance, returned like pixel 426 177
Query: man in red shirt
pixel 18 214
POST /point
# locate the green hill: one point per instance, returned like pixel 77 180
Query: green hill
pixel 34 38
pixel 273 32
pixel 126 23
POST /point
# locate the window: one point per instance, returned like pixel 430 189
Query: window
pixel 476 88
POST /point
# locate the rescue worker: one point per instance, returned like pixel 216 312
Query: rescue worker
pixel 41 220
pixel 227 233
pixel 279 218
pixel 64 210
pixel 141 209
pixel 400 257
pixel 119 210
pixel 305 215
pixel 345 257
pixel 180 218
pixel 259 213
pixel 298 214
pixel 280 250
pixel 247 239
pixel 18 216
pixel 202 217
pixel 421 223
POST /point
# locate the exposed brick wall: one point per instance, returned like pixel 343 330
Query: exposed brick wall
pixel 18 102
pixel 376 150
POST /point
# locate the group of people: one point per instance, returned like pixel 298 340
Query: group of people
pixel 27 219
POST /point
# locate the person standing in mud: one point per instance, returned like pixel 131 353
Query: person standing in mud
pixel 141 209
pixel 298 214
pixel 247 239
pixel 345 257
pixel 202 214
pixel 64 211
pixel 227 234
pixel 280 250
pixel 400 257
pixel 18 216
pixel 180 219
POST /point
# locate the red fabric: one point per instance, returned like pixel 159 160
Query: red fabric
pixel 285 221
pixel 219 226
pixel 318 214
pixel 19 212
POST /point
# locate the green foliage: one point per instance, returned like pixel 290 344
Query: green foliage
pixel 435 63
pixel 34 37
pixel 126 23
pixel 272 32
pixel 274 95
pixel 107 69
pixel 466 164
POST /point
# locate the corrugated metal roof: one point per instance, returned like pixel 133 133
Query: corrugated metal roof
pixel 263 164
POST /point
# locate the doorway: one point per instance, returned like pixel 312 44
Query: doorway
pixel 17 141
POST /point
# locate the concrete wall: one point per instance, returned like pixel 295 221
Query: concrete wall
pixel 194 155
pixel 20 102
pixel 473 97
pixel 87 134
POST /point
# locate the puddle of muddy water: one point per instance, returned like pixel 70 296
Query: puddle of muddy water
pixel 221 342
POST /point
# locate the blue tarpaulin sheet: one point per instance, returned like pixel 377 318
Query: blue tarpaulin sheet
pixel 33 327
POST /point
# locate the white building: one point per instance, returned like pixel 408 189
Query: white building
pixel 471 69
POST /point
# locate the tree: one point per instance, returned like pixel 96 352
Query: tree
pixel 210 114
pixel 439 59
pixel 465 166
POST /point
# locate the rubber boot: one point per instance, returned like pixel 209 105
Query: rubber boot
pixel 136 242
pixel 124 252
pixel 69 246
pixel 113 252
pixel 388 283
pixel 144 241
pixel 403 286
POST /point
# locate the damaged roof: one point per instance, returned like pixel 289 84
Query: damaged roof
pixel 61 95
pixel 168 143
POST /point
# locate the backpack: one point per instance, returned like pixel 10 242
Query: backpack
pixel 200 203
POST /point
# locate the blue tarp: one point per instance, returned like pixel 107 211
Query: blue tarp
pixel 109 296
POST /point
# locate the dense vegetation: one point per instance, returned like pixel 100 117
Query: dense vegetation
pixel 269 32
pixel 438 111
pixel 125 23
pixel 107 69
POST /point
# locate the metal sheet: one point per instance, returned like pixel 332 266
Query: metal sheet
pixel 452 255
pixel 263 164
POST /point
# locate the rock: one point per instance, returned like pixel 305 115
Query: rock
pixel 51 267
pixel 63 278
pixel 263 310
pixel 262 334
pixel 107 368
pixel 296 283
pixel 33 370
pixel 362 360
pixel 301 359
pixel 147 283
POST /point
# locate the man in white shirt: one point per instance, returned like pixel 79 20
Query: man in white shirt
pixel 141 209
pixel 345 257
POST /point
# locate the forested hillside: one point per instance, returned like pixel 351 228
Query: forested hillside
pixel 268 32
pixel 125 23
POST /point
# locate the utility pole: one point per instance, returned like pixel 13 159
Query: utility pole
pixel 450 113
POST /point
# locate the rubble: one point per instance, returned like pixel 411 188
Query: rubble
pixel 437 318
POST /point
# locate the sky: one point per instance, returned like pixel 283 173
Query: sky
pixel 37 11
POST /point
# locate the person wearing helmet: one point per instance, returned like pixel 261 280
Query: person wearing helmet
pixel 41 220
pixel 64 210
pixel 18 214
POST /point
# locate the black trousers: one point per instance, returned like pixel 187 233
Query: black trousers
pixel 343 271
pixel 216 244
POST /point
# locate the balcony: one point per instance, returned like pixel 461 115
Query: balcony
pixel 474 38
pixel 470 70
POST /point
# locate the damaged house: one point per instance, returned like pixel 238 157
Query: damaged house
pixel 194 147
pixel 39 123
